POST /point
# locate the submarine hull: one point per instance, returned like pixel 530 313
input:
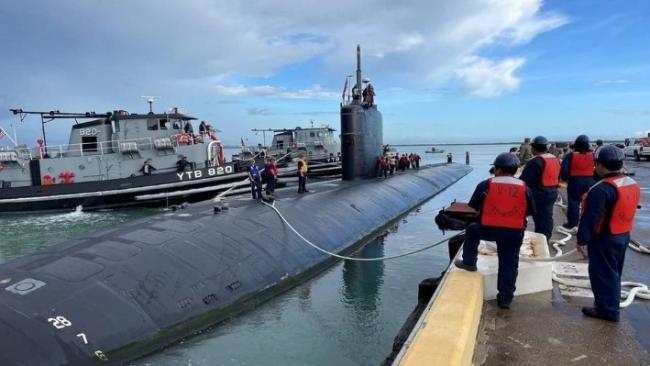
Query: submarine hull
pixel 125 292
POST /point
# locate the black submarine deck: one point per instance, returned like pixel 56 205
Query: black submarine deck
pixel 121 293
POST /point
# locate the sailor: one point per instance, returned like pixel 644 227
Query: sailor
pixel 147 168
pixel 525 152
pixel 542 176
pixel 368 93
pixel 255 179
pixel 578 171
pixel 188 128
pixel 302 174
pixel 503 203
pixel 554 150
pixel 182 164
pixel 203 128
pixel 271 174
pixel 599 144
pixel 605 225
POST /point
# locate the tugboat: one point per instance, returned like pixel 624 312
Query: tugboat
pixel 319 145
pixel 115 159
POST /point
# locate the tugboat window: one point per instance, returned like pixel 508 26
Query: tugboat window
pixel 311 134
pixel 152 124
pixel 89 143
pixel 163 124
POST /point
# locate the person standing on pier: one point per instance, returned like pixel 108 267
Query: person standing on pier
pixel 605 225
pixel 503 203
pixel 542 175
pixel 578 171
pixel 525 151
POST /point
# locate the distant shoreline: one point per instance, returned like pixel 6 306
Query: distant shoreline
pixel 461 144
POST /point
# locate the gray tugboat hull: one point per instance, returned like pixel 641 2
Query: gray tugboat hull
pixel 128 291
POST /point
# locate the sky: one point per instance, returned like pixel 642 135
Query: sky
pixel 443 71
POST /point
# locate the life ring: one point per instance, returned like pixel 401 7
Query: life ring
pixel 183 138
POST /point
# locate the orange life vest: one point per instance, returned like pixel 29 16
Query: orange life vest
pixel 582 164
pixel 629 195
pixel 505 205
pixel 551 173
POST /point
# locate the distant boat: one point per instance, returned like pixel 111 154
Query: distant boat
pixel 434 150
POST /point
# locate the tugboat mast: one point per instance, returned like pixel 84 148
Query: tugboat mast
pixel 50 116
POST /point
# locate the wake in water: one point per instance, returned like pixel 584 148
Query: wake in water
pixel 25 234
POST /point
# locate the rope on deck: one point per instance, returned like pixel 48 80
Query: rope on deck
pixel 320 249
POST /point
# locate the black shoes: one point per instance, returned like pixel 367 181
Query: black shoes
pixel 503 305
pixel 567 226
pixel 460 264
pixel 593 313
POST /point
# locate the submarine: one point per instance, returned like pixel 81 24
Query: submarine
pixel 121 293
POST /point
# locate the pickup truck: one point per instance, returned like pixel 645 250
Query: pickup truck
pixel 637 147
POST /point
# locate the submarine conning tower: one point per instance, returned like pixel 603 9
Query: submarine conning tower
pixel 361 132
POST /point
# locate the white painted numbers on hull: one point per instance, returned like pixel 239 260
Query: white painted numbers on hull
pixel 211 172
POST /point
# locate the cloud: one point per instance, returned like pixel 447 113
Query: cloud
pixel 315 92
pixel 485 78
pixel 61 55
pixel 259 111
pixel 316 113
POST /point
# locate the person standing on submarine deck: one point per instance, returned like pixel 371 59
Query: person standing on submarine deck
pixel 255 179
pixel 503 203
pixel 542 176
pixel 607 219
pixel 271 173
pixel 302 174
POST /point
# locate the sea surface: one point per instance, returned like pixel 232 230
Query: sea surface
pixel 346 315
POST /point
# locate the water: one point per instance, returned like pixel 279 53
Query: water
pixel 347 315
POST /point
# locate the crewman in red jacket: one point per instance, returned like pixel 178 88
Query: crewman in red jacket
pixel 578 171
pixel 542 176
pixel 503 202
pixel 605 225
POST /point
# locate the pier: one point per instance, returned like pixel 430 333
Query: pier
pixel 542 328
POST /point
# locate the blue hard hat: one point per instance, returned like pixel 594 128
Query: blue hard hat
pixel 506 160
pixel 610 153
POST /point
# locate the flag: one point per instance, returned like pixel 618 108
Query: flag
pixel 2 133
pixel 345 88
pixel 242 142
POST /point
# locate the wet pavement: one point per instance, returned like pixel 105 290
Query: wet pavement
pixel 548 328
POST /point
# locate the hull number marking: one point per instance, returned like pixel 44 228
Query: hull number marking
pixel 211 172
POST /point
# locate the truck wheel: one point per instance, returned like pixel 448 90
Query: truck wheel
pixel 637 157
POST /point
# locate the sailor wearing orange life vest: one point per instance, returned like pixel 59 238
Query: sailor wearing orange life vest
pixel 542 176
pixel 605 225
pixel 503 202
pixel 578 171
